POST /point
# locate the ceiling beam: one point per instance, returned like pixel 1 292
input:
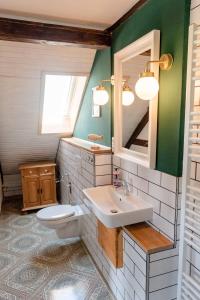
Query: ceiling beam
pixel 143 122
pixel 35 32
pixel 136 6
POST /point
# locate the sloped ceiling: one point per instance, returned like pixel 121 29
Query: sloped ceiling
pixel 87 13
pixel 21 66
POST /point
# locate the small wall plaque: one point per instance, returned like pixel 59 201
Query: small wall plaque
pixel 96 111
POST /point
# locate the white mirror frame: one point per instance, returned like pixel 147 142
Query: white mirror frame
pixel 150 41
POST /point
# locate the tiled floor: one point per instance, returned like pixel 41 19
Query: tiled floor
pixel 35 264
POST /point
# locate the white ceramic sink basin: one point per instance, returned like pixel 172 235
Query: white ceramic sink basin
pixel 114 209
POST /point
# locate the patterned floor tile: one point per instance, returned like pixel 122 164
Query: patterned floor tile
pixel 81 261
pixel 68 286
pixel 7 296
pixel 36 265
pixel 5 234
pixel 5 217
pixel 25 243
pixel 27 277
pixel 6 261
pixel 101 293
pixel 21 222
pixel 54 251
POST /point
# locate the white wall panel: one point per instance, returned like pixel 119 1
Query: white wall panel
pixel 21 66
pixel 1 194
pixel 195 12
pixel 195 3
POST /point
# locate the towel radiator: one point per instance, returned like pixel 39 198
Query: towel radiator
pixel 189 282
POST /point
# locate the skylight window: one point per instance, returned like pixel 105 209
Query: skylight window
pixel 62 96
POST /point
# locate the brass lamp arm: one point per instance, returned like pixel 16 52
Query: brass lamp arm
pixel 106 80
pixel 165 62
pixel 112 80
pixel 147 69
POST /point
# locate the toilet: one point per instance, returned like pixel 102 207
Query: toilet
pixel 65 219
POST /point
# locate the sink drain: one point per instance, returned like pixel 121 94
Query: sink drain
pixel 114 211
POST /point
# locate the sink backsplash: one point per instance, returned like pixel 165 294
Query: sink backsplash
pixel 163 191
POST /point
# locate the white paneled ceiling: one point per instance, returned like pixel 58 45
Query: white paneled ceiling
pixel 87 13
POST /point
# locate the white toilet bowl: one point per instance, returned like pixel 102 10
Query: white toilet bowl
pixel 65 219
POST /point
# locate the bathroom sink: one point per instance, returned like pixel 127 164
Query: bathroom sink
pixel 114 209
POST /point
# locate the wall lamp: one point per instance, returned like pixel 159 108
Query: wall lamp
pixel 147 85
pixel 101 96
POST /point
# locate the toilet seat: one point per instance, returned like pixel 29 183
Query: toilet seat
pixel 65 219
pixel 56 212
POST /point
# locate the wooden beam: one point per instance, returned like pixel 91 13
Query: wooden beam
pixel 139 142
pixel 146 53
pixel 137 130
pixel 1 173
pixel 35 32
pixel 137 6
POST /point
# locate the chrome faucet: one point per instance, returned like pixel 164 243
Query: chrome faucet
pixel 121 183
pixel 125 186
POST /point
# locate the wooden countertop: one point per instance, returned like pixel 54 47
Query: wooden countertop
pixel 150 240
pixel 37 164
pixel 86 145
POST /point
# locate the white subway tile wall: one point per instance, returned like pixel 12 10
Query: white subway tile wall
pixel 143 276
pixel 159 189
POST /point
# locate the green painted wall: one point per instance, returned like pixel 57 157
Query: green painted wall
pixel 171 17
pixel 85 124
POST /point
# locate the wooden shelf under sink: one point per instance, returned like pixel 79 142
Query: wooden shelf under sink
pixel 111 241
pixel 150 240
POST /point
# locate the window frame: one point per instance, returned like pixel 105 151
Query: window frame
pixel 42 92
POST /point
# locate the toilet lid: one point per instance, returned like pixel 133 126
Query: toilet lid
pixel 55 212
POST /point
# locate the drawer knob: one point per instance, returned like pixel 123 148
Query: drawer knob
pixel 46 170
pixel 30 172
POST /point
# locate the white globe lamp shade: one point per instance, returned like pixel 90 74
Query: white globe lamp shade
pixel 127 95
pixel 147 86
pixel 127 98
pixel 100 95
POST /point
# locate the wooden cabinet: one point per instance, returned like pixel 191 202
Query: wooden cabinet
pixel 31 193
pixel 38 185
pixel 47 187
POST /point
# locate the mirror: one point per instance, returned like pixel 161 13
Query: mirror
pixel 135 117
pixel 135 126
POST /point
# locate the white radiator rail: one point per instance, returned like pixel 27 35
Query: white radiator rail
pixel 193 188
pixel 188 287
pixel 189 219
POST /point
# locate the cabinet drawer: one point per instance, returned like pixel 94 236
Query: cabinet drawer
pixel 30 172
pixel 49 170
